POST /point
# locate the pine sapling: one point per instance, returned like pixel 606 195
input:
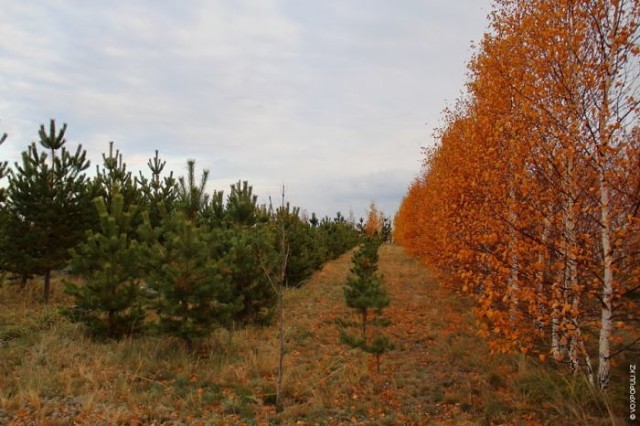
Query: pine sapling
pixel 109 300
pixel 364 292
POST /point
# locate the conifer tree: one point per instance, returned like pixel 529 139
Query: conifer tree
pixel 246 243
pixel 338 237
pixel 364 290
pixel 108 301
pixel 251 251
pixel 48 206
pixel 303 257
pixel 192 286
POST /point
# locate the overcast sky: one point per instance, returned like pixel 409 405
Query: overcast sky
pixel 332 98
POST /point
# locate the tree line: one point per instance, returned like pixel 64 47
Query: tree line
pixel 530 202
pixel 153 251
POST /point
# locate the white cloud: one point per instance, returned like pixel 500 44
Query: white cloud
pixel 332 98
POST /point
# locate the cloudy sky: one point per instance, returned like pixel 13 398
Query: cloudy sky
pixel 332 98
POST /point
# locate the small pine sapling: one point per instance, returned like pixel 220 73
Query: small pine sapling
pixel 364 292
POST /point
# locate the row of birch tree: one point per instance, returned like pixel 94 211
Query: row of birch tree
pixel 530 201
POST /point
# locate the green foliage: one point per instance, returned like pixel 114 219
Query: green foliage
pixel 191 197
pixel 48 207
pixel 159 193
pixel 364 292
pixel 386 232
pixel 304 256
pixel 336 237
pixel 250 255
pixel 109 300
pixel 205 261
pixel 113 177
pixel 3 170
pixel 242 204
pixel 192 287
pixel 379 346
pixel 350 340
pixel 214 214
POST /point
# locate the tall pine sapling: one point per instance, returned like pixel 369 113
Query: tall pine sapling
pixel 49 206
pixel 109 301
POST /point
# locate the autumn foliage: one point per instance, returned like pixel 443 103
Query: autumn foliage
pixel 530 202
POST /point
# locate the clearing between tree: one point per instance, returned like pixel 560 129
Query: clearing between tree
pixel 440 372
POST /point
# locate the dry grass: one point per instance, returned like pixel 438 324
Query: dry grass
pixel 439 373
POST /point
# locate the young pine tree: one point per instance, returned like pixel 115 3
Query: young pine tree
pixel 108 301
pixel 251 251
pixel 192 286
pixel 48 208
pixel 364 292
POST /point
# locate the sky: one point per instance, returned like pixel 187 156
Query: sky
pixel 333 99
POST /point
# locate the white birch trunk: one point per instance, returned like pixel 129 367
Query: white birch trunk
pixel 540 276
pixel 606 324
pixel 512 283
pixel 571 266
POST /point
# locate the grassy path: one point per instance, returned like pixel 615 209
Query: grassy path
pixel 439 372
pixel 434 376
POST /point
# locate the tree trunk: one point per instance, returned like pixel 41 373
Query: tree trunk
pixel 284 253
pixel 24 277
pixel 189 345
pixel 47 285
pixel 281 351
pixel 557 295
pixel 541 276
pixel 606 326
pixel 570 288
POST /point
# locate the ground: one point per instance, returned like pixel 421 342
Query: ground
pixel 440 372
